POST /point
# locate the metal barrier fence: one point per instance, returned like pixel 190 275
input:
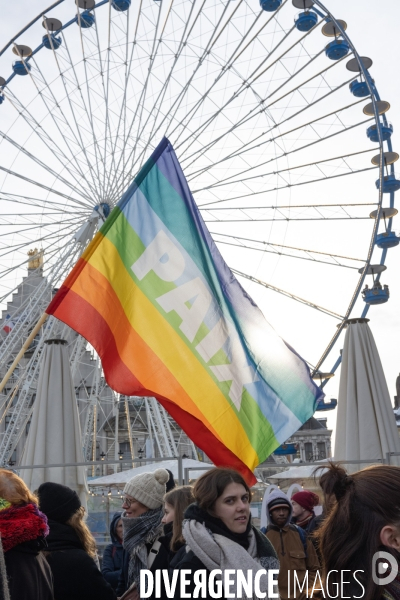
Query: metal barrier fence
pixel 105 499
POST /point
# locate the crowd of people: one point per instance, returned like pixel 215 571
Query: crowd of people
pixel 199 542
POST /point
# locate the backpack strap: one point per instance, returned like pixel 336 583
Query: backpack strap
pixel 153 553
pixel 303 537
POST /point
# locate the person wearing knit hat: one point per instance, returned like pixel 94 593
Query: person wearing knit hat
pixel 71 548
pixel 304 516
pixel 303 504
pixel 296 554
pixel 58 502
pixel 143 510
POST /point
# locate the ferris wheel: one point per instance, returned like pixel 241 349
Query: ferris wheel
pixel 275 119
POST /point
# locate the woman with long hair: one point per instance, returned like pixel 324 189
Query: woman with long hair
pixel 175 503
pixel 23 529
pixel 71 548
pixel 219 535
pixel 363 520
pixel 171 545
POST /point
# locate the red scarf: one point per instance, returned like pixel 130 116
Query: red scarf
pixel 20 524
pixel 305 521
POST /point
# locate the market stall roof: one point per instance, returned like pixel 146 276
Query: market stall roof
pixel 301 472
pixel 119 479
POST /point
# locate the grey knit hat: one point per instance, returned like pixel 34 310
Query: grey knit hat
pixel 148 488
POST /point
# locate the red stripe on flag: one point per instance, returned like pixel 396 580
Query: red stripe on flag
pixel 79 314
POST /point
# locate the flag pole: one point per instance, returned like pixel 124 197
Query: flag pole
pixel 23 350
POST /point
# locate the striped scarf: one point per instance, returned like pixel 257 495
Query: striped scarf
pixel 139 531
pixel 392 590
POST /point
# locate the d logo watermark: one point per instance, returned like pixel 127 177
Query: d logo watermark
pixel 384 568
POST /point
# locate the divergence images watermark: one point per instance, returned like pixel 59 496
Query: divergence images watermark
pixel 384 568
pixel 232 583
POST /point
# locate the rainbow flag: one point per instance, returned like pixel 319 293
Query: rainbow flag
pixel 154 297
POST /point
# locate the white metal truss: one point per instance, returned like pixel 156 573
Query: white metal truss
pixel 89 431
pixel 161 429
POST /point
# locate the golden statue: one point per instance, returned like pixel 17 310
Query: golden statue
pixel 36 259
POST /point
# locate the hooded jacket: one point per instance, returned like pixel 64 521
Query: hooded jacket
pixel 112 556
pixel 294 561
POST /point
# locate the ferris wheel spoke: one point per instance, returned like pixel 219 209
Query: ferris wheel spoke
pixel 306 250
pixel 287 255
pixel 311 181
pixel 246 148
pixel 63 78
pixel 155 111
pixel 223 182
pixel 156 44
pixel 289 295
pixel 214 40
pixel 289 170
pixel 42 186
pixel 41 133
pixel 31 201
pixel 36 160
pixel 118 180
pixel 287 219
pixel 292 116
pixel 73 90
pixel 106 91
pixel 248 82
pixel 116 184
pixel 10 248
pixel 99 158
pixel 211 41
pixel 255 112
pixel 57 114
pixel 42 225
pixel 49 254
pixel 243 85
pixel 278 250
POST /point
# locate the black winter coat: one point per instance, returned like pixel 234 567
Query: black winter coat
pixel 76 576
pixel 112 556
pixel 29 575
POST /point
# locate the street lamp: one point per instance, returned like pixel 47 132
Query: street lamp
pixel 102 457
pixel 140 455
pixel 120 456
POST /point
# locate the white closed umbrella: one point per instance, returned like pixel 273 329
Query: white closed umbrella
pixel 366 426
pixel 55 434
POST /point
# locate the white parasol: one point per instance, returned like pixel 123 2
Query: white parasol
pixel 366 426
pixel 55 435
